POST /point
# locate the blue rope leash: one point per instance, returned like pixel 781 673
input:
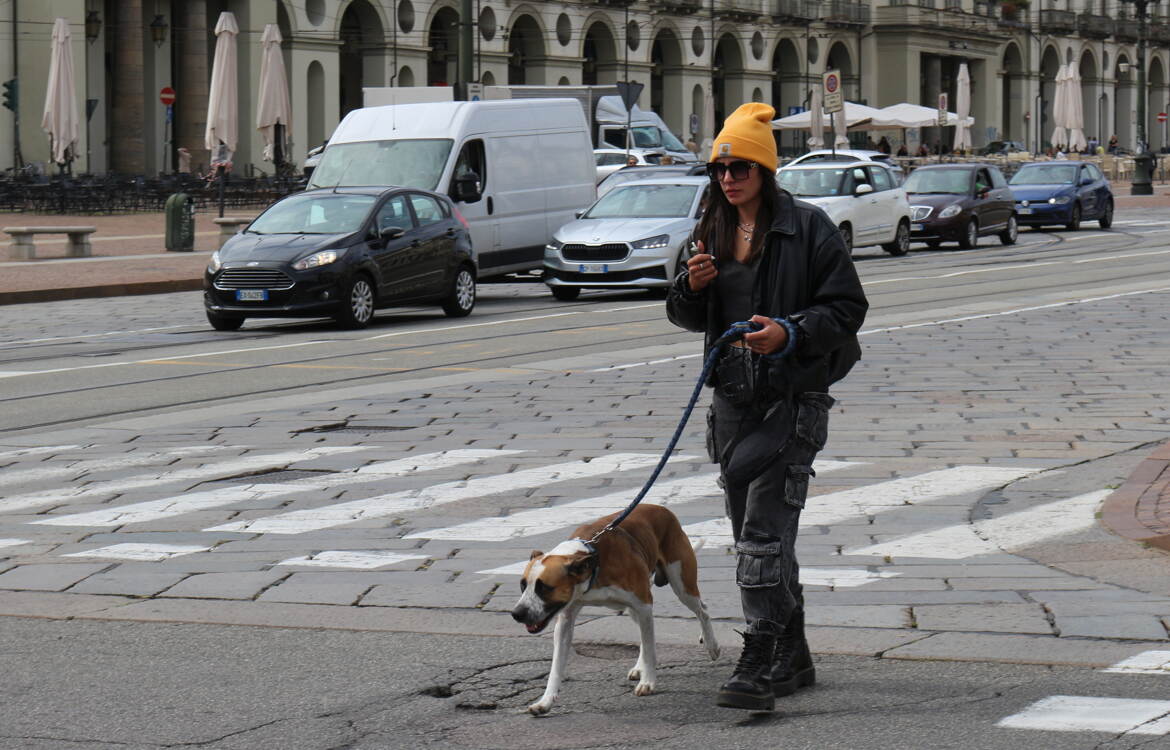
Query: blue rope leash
pixel 734 333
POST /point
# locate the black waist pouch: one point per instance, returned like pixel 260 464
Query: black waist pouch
pixel 792 428
pixel 735 376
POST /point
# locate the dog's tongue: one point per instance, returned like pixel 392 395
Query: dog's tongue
pixel 533 628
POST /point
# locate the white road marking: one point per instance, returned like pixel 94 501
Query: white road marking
pixel 207 472
pixel 140 552
pixel 12 542
pixel 111 463
pixel 351 559
pixel 314 519
pixel 5 344
pixel 543 520
pixel 41 450
pixel 1074 713
pixel 836 577
pixel 1119 257
pixel 15 373
pixel 1002 534
pixel 1147 662
pixel 643 364
pixel 153 510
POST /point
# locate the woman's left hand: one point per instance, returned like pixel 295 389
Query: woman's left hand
pixel 768 340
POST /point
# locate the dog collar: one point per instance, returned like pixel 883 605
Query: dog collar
pixel 591 550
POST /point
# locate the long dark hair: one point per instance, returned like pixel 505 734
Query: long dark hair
pixel 717 227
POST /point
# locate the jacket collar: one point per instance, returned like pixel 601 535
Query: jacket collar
pixel 784 214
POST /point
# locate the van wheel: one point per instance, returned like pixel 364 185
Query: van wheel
pixel 224 322
pixel 901 243
pixel 847 237
pixel 1008 236
pixel 461 299
pixel 357 303
pixel 566 293
pixel 970 236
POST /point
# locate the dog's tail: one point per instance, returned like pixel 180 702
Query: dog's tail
pixel 698 545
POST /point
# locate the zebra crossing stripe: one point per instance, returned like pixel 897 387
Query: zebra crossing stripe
pixel 140 552
pixel 836 577
pixel 351 559
pixel 204 473
pixel 1147 662
pixel 313 519
pixel 1003 534
pixel 544 520
pixel 36 451
pixel 12 542
pixel 153 510
pixel 1075 713
pixel 41 473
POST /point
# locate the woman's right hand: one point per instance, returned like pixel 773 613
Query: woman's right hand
pixel 701 269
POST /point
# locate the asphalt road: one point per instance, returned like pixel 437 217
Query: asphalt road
pixel 294 536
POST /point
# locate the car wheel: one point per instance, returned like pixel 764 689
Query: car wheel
pixel 357 303
pixel 901 243
pixel 224 322
pixel 1074 221
pixel 1009 235
pixel 1106 219
pixel 847 237
pixel 566 293
pixel 461 299
pixel 970 236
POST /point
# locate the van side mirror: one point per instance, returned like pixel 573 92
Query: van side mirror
pixel 863 189
pixel 467 188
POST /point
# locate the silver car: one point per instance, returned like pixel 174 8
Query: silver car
pixel 636 235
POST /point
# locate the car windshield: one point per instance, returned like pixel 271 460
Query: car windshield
pixel 812 182
pixel 1046 174
pixel 413 163
pixel 956 181
pixel 319 213
pixel 644 201
pixel 632 175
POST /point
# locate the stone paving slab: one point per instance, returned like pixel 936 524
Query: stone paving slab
pixel 1019 649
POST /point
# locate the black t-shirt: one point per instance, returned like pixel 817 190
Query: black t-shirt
pixel 734 285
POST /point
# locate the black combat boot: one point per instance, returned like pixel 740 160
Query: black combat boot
pixel 750 687
pixel 792 668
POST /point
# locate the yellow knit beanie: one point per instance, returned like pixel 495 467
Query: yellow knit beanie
pixel 747 134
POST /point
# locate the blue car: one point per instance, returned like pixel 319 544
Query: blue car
pixel 1062 192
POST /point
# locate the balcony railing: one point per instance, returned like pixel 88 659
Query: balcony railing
pixel 1159 33
pixel 796 10
pixel 743 11
pixel 1057 22
pixel 1125 30
pixel 677 7
pixel 847 13
pixel 1094 27
pixel 911 13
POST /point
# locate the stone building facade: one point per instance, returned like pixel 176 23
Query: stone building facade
pixel 888 51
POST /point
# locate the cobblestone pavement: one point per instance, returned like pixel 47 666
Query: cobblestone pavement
pixel 953 515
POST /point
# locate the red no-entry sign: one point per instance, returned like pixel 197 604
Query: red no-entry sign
pixel 167 95
pixel 1161 117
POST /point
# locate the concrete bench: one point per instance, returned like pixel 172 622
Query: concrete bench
pixel 77 244
pixel 230 225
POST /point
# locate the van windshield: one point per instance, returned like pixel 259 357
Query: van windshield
pixel 410 163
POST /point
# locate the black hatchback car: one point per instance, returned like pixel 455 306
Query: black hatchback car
pixel 343 253
pixel 960 203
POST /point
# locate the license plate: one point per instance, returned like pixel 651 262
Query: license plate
pixel 251 295
pixel 916 227
pixel 1025 210
pixel 593 268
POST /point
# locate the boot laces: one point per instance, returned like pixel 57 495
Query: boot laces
pixel 755 652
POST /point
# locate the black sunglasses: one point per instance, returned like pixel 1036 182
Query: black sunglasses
pixel 740 169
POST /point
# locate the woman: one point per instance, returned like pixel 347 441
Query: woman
pixel 782 265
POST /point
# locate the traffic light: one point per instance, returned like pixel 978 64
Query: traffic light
pixel 12 95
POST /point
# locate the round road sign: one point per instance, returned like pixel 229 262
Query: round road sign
pixel 167 95
pixel 832 83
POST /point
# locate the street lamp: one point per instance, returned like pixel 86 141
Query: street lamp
pixel 93 26
pixel 158 30
pixel 1144 161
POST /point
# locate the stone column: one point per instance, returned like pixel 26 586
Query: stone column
pixel 127 146
pixel 192 78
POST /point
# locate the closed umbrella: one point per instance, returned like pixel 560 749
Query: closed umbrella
pixel 963 110
pixel 273 107
pixel 61 120
pixel 222 99
pixel 708 126
pixel 1075 111
pixel 816 120
pixel 840 127
pixel 1059 108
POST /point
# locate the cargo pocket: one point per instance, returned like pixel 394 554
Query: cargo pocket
pixel 759 565
pixel 796 484
pixel 812 418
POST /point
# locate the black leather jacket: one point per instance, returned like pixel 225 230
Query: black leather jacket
pixel 806 276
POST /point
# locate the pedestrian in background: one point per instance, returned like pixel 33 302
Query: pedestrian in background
pixel 782 264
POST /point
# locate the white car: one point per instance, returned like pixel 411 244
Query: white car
pixel 610 160
pixel 635 235
pixel 862 198
pixel 849 155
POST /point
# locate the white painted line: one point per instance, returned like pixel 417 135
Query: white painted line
pixel 1147 662
pixel 12 542
pixel 1074 713
pixel 956 274
pixel 6 344
pixel 544 520
pixel 313 519
pixel 38 451
pixel 1002 534
pixel 1119 257
pixel 111 463
pixel 153 510
pixel 643 364
pixel 348 559
pixel 208 472
pixel 512 569
pixel 15 373
pixel 842 578
pixel 140 552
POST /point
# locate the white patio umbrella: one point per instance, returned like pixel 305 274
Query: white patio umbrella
pixel 61 120
pixel 273 107
pixel 963 110
pixel 816 120
pixel 1075 113
pixel 857 117
pixel 708 127
pixel 840 128
pixel 223 96
pixel 1060 108
pixel 906 115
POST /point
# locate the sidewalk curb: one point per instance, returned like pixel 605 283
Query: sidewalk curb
pixel 104 290
pixel 1139 510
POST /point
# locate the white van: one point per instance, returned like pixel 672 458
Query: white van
pixel 517 169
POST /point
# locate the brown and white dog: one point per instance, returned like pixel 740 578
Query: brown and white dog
pixel 614 572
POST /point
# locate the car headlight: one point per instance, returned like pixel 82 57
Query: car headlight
pixel 1060 200
pixel 215 263
pixel 553 246
pixel 949 211
pixel 651 243
pixel 323 258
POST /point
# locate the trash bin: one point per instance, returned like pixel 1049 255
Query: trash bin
pixel 180 214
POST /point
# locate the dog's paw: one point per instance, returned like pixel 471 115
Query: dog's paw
pixel 634 674
pixel 712 649
pixel 644 688
pixel 540 708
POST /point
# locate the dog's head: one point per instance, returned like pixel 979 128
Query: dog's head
pixel 552 581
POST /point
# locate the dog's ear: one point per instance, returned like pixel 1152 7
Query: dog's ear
pixel 535 554
pixel 581 565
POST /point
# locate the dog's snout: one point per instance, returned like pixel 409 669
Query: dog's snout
pixel 520 614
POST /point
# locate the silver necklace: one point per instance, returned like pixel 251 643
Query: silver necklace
pixel 747 230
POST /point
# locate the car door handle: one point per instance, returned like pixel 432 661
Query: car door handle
pixel 450 231
pixel 415 243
